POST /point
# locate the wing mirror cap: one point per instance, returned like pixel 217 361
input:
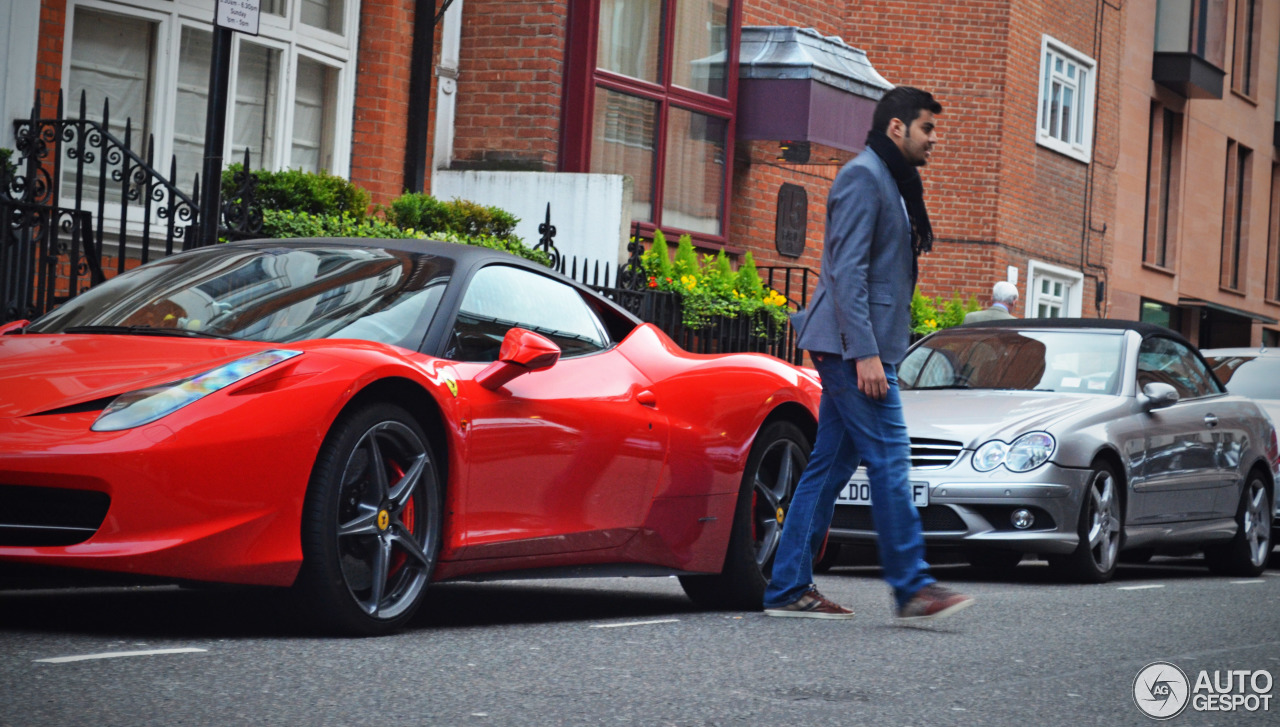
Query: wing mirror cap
pixel 522 352
pixel 13 327
pixel 1159 395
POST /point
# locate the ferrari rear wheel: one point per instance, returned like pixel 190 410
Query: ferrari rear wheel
pixel 371 522
pixel 1246 554
pixel 777 459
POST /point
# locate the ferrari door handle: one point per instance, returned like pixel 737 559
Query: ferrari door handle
pixel 647 398
pixel 1210 420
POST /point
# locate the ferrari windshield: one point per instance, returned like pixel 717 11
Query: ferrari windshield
pixel 276 294
pixel 1002 358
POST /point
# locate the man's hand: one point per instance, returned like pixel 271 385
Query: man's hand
pixel 871 378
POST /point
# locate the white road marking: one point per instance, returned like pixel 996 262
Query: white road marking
pixel 1245 583
pixel 1138 588
pixel 117 655
pixel 635 623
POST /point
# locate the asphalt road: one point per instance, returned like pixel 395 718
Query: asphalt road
pixel 634 652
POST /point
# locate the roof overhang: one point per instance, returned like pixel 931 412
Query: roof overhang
pixel 1199 303
pixel 796 85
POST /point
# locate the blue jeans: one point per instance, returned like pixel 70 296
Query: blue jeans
pixel 853 429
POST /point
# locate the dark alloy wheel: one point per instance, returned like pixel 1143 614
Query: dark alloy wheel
pixel 371 523
pixel 1101 530
pixel 1246 554
pixel 777 459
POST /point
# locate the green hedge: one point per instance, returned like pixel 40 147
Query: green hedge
pixel 295 203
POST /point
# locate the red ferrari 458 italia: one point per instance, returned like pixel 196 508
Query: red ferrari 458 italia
pixel 357 419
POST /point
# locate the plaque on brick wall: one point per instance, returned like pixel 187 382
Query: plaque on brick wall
pixel 793 219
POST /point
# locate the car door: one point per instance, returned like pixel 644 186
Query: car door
pixel 558 460
pixel 1187 463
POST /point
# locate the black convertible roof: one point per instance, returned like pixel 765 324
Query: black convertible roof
pixel 1146 330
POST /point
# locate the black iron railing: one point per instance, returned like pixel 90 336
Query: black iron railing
pixel 81 202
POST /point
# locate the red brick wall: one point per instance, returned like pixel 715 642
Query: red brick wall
pixel 511 72
pixel 382 97
pixel 824 17
pixel 997 198
pixel 53 31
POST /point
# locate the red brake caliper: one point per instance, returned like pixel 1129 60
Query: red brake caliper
pixel 406 516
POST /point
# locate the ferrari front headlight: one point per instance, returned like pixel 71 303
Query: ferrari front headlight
pixel 147 405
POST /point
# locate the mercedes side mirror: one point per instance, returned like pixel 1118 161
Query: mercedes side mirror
pixel 1159 395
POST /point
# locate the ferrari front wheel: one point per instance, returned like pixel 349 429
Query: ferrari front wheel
pixel 777 459
pixel 371 522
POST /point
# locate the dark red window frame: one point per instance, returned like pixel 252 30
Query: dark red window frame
pixel 582 77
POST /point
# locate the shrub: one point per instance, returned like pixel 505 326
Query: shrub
pixel 316 193
pixel 710 287
pixel 469 219
pixel 928 316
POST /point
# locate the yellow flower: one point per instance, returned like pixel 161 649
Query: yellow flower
pixel 931 323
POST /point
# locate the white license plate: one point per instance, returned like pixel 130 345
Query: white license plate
pixel 858 492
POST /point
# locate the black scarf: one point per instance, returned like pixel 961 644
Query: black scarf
pixel 909 186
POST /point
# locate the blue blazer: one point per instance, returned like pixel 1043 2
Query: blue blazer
pixel 862 306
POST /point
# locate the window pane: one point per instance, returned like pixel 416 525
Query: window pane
pixel 193 99
pixel 1068 105
pixel 693 181
pixel 629 40
pixel 500 298
pixel 1055 111
pixel 623 141
pixel 312 144
pixel 323 14
pixel 1081 110
pixel 111 59
pixel 273 7
pixel 257 92
pixel 701 46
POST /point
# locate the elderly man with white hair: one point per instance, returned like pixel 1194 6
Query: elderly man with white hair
pixel 1003 296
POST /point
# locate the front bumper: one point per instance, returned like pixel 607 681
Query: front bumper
pixel 970 509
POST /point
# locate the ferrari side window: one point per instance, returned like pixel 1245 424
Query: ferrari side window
pixel 501 297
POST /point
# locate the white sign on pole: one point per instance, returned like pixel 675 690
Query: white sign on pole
pixel 239 15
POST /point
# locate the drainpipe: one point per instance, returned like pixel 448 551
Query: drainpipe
pixel 424 50
pixel 447 87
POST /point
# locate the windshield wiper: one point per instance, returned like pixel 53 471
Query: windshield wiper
pixel 147 331
pixel 937 388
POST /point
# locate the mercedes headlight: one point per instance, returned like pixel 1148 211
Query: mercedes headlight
pixel 147 405
pixel 1025 454
pixel 989 456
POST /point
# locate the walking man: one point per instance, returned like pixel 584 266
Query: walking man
pixel 856 331
pixel 1003 297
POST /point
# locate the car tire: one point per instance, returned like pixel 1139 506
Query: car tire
pixel 370 523
pixel 777 459
pixel 1100 528
pixel 1246 554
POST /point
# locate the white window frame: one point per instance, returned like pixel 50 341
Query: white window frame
pixel 1083 115
pixel 1072 283
pixel 288 35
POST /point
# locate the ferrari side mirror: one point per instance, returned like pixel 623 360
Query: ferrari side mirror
pixel 1159 395
pixel 13 327
pixel 522 352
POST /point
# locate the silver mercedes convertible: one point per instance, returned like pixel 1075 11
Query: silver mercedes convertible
pixel 1083 441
